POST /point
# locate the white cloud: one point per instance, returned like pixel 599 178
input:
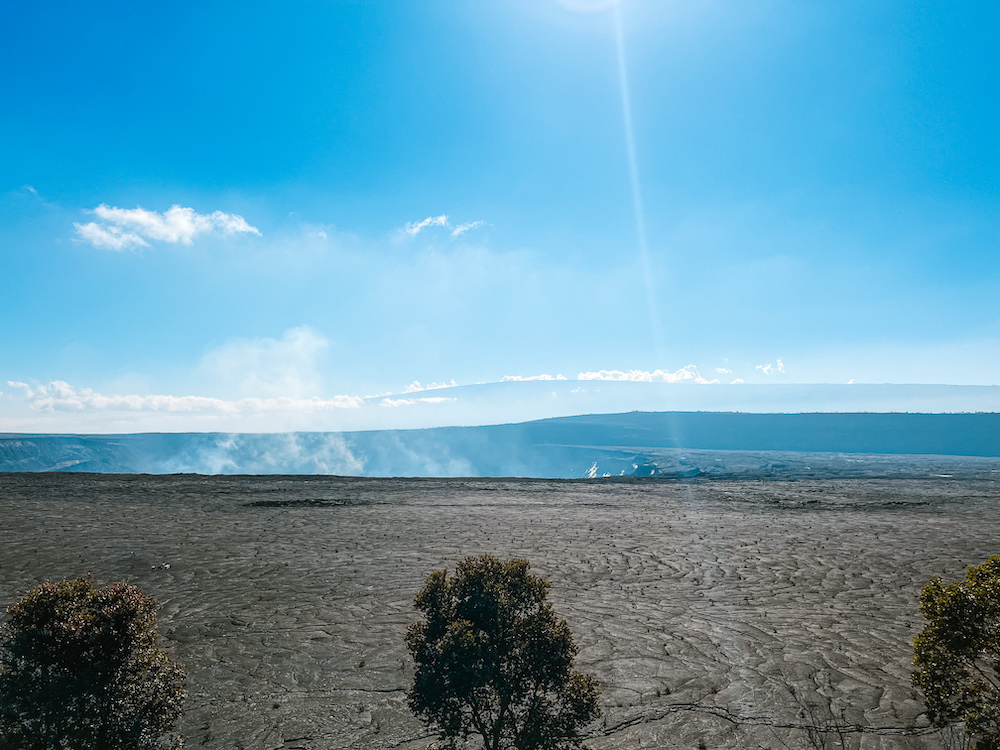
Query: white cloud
pixel 414 227
pixel 31 189
pixel 124 228
pixel 769 368
pixel 266 367
pixel 396 402
pixel 59 395
pixel 109 238
pixel 463 228
pixel 687 374
pixel 416 387
pixel 254 383
pixel 723 371
pixel 525 378
pixel 430 221
pixel 738 381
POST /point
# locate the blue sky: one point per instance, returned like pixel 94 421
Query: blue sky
pixel 765 192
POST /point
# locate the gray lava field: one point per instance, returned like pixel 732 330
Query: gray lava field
pixel 736 611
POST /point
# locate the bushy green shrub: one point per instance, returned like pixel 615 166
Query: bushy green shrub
pixel 957 656
pixel 81 669
pixel 492 659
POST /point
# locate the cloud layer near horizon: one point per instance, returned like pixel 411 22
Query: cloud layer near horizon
pixel 59 395
pixel 126 228
pixel 286 365
pixel 686 374
pixel 261 375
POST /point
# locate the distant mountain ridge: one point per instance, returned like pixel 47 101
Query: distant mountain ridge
pixel 588 445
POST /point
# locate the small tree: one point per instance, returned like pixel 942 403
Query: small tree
pixel 80 668
pixel 492 659
pixel 957 656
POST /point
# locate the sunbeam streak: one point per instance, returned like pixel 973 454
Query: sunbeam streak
pixel 640 221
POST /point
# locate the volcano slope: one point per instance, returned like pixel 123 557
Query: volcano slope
pixel 728 612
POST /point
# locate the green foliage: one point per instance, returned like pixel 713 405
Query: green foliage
pixel 957 656
pixel 492 659
pixel 80 668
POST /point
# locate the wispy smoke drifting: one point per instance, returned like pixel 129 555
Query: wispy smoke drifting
pixel 284 453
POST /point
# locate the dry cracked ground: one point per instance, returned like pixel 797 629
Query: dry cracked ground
pixel 756 614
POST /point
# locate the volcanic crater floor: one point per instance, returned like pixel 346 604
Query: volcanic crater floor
pixel 715 613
